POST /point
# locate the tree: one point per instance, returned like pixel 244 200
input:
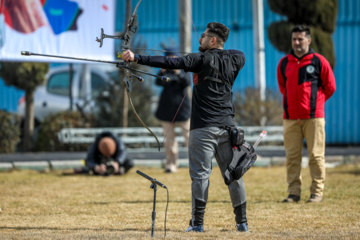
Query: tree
pixel 319 15
pixel 48 139
pixel 26 76
pixel 9 132
pixel 252 111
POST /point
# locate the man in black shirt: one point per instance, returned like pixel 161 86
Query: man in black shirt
pixel 214 73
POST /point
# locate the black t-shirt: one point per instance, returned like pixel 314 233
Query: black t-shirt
pixel 211 100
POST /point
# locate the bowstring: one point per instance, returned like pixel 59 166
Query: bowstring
pixel 177 111
pixel 187 6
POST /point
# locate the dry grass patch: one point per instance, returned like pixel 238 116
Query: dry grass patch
pixel 53 206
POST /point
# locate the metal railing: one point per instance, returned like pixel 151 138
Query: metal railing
pixel 139 137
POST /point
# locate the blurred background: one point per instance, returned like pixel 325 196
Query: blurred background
pixel 67 93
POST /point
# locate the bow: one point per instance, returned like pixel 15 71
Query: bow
pixel 126 37
pixel 130 31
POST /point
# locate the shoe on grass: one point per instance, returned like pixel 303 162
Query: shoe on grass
pixel 291 199
pixel 170 171
pixel 193 228
pixel 314 198
pixel 242 227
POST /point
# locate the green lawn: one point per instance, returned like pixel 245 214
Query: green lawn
pixel 54 206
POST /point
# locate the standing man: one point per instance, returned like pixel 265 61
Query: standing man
pixel 215 71
pixel 306 81
pixel 173 109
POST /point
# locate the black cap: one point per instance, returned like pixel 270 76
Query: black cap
pixel 171 51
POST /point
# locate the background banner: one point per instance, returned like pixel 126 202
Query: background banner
pixel 56 27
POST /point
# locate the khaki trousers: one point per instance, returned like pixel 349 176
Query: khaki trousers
pixel 313 130
pixel 171 145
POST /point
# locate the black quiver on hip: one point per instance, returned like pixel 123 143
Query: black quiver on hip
pixel 243 159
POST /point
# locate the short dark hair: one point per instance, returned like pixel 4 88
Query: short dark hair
pixel 220 29
pixel 301 28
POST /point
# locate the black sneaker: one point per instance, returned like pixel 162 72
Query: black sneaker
pixel 193 228
pixel 242 227
pixel 291 199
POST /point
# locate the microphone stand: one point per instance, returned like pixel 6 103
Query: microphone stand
pixel 154 182
pixel 153 215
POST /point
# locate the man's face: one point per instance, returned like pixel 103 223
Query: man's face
pixel 205 41
pixel 300 43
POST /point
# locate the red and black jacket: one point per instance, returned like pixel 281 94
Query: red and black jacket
pixel 305 83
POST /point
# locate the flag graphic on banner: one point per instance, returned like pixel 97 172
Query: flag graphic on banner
pixel 54 27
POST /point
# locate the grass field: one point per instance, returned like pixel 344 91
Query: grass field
pixel 54 206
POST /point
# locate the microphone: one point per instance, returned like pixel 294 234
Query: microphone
pixel 153 180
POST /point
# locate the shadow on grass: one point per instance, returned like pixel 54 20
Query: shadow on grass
pixel 355 172
pixel 71 174
pixel 82 229
pixel 151 201
pixel 89 229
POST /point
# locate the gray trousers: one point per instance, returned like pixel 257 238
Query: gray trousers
pixel 204 145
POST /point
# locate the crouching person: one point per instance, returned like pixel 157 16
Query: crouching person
pixel 108 156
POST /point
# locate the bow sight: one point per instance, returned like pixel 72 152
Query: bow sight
pixel 103 35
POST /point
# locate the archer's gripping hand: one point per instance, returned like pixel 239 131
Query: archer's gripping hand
pixel 128 56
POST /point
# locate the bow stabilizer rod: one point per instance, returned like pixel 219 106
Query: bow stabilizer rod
pixel 117 63
pixel 27 53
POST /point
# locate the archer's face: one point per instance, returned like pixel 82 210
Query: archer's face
pixel 300 43
pixel 205 41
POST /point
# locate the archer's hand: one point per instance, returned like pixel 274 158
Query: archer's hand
pixel 128 56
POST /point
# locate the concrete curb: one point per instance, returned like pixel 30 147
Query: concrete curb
pixel 331 161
